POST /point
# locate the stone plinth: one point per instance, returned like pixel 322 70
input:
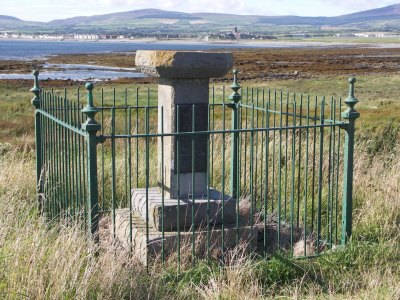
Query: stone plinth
pixel 183 96
pixel 184 64
pixel 201 216
pixel 142 250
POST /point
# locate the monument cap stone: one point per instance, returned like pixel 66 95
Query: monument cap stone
pixel 184 64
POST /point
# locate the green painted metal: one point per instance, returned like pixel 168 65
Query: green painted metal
pixel 91 127
pixel 285 154
pixel 351 115
pixel 235 97
pixel 36 102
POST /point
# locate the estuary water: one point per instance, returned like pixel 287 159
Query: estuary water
pixel 35 49
pixel 38 49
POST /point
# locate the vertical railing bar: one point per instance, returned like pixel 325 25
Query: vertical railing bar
pixel 251 174
pixel 223 180
pixel 130 180
pixel 329 204
pixel 64 159
pixel 49 163
pixel 113 175
pixel 44 161
pixel 280 173
pixel 80 158
pixel 320 175
pixel 162 188
pixel 208 183
pixel 262 147
pixel 314 164
pixel 256 152
pixel 71 158
pixel 178 185
pixel 299 162
pixel 103 192
pixel 337 176
pixel 126 143
pixel 333 204
pixel 41 185
pixel 77 163
pixel 266 179
pixel 51 180
pixel 147 129
pixel 245 141
pixel 73 135
pixel 273 158
pixel 137 139
pixel 67 159
pixel 286 154
pixel 306 178
pixel 84 171
pixel 193 167
pixel 212 137
pixel 292 192
pixel 60 195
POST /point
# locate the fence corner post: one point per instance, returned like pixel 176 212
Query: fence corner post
pixel 91 127
pixel 351 115
pixel 36 102
pixel 235 97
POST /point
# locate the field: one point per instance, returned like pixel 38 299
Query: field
pixel 57 263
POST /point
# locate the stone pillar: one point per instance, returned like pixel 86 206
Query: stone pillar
pixel 157 222
pixel 183 88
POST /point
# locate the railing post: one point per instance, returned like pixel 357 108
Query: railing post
pixel 347 205
pixel 235 98
pixel 38 140
pixel 91 127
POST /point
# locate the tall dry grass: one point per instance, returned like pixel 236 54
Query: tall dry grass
pixel 42 262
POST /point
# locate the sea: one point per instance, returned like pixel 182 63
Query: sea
pixel 39 49
pixel 34 49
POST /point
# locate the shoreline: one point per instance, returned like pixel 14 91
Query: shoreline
pixel 245 43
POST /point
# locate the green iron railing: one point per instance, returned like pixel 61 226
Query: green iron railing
pixel 286 160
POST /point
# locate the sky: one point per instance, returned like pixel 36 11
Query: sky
pixel 46 10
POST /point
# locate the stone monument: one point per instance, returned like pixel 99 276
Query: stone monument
pixel 183 97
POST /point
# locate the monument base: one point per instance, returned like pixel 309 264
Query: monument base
pixel 215 209
pixel 151 246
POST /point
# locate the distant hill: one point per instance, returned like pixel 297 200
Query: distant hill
pixel 156 20
pixel 8 18
pixel 13 23
pixel 117 18
pixel 388 12
pixel 378 14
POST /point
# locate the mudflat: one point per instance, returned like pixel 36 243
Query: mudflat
pixel 254 64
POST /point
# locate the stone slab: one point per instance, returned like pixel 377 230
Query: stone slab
pixel 155 211
pixel 184 64
pixel 152 249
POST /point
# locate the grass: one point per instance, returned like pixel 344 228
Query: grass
pixel 58 263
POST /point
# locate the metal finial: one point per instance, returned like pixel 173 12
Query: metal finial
pixel 235 96
pixel 352 80
pixel 90 110
pixel 351 101
pixel 36 89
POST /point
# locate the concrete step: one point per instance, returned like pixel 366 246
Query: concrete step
pixel 170 213
pixel 153 248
